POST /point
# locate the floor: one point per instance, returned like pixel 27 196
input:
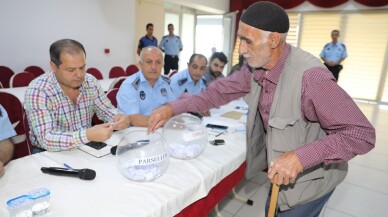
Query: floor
pixel 363 193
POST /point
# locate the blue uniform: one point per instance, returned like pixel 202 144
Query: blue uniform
pixel 333 52
pixel 145 42
pixel 171 45
pixel 136 96
pixel 182 82
pixel 6 129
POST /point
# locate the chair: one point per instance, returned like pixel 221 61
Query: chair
pixel 117 82
pixel 21 79
pixel 116 71
pixel 27 131
pixel 95 72
pixel 15 112
pixel 111 95
pixel 131 69
pixel 5 75
pixel 173 72
pixel 35 70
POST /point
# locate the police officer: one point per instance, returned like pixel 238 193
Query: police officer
pixel 146 90
pixel 333 54
pixel 171 45
pixel 190 80
pixel 6 146
pixel 148 39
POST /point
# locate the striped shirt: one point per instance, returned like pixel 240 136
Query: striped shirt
pixel 349 131
pixel 56 123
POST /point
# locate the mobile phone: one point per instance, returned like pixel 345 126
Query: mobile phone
pixel 217 142
pixel 96 145
pixel 215 126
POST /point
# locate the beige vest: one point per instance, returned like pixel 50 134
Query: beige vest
pixel 287 131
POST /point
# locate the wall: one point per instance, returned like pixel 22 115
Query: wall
pixel 213 6
pixel 148 11
pixel 29 27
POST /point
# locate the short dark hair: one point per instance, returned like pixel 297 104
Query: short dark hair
pixel 335 30
pixel 64 46
pixel 170 24
pixel 148 25
pixel 197 55
pixel 219 55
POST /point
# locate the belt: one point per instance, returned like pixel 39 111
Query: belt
pixel 173 56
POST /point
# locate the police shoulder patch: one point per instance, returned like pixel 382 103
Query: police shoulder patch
pixel 166 79
pixel 182 81
pixel 136 83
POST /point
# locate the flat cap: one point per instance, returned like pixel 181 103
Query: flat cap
pixel 266 16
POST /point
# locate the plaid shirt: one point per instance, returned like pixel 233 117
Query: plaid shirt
pixel 56 123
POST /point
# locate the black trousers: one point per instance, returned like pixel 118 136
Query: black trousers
pixel 335 70
pixel 170 63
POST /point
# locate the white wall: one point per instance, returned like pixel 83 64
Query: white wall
pixel 149 11
pixel 28 28
pixel 212 6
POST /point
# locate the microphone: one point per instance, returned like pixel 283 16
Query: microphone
pixel 85 174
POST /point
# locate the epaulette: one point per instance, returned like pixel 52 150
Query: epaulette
pixel 136 83
pixel 166 79
pixel 178 37
pixel 327 45
pixel 343 45
pixel 204 80
pixel 182 81
pixel 164 36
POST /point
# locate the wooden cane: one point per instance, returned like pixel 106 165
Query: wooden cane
pixel 274 197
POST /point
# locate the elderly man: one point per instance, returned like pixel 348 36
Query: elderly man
pixel 61 103
pixel 190 80
pixel 146 90
pixel 301 124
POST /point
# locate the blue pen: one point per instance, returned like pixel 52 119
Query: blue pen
pixel 67 166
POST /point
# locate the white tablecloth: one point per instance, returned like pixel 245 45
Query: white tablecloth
pixel 110 194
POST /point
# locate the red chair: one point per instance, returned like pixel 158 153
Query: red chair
pixel 116 72
pixel 5 75
pixel 131 69
pixel 15 112
pixel 21 79
pixel 95 72
pixel 27 131
pixel 35 70
pixel 112 97
pixel 117 82
pixel 173 72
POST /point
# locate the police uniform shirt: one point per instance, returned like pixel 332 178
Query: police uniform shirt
pixel 182 82
pixel 171 45
pixel 333 52
pixel 136 96
pixel 145 42
pixel 6 129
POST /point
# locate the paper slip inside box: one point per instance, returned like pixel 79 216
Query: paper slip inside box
pixel 233 115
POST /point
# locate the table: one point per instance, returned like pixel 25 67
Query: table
pixel 19 92
pixel 186 182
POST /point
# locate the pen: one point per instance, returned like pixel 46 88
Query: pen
pixel 67 166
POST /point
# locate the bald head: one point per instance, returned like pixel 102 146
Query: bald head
pixel 150 50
